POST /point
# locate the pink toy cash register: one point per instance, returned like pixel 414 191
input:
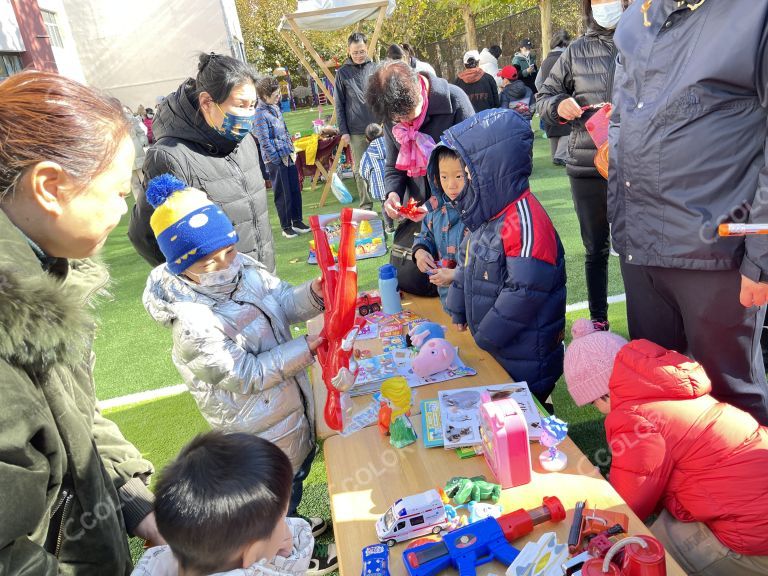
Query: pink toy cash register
pixel 504 434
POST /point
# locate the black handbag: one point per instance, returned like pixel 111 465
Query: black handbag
pixel 409 277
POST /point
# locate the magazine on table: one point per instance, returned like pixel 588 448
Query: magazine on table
pixel 460 411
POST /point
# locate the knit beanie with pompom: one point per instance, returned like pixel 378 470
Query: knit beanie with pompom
pixel 589 361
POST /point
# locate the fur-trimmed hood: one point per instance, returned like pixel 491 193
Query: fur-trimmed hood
pixel 42 317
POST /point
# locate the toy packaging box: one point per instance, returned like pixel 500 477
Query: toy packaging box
pixel 460 412
pixel 504 433
pixel 370 241
pixel 431 424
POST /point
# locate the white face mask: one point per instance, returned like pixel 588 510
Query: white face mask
pixel 220 277
pixel 607 15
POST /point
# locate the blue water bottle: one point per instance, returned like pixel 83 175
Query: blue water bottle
pixel 390 295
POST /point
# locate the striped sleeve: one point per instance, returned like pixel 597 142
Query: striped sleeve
pixel 528 232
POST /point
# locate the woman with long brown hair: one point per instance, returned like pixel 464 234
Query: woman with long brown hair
pixel 72 486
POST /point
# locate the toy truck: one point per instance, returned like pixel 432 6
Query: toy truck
pixel 368 302
pixel 411 517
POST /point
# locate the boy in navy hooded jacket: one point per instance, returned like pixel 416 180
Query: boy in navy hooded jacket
pixel 509 288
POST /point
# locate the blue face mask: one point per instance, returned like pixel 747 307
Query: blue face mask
pixel 235 127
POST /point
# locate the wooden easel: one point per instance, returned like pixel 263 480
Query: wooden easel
pixel 305 44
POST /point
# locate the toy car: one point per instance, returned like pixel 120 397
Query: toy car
pixel 368 302
pixel 411 517
pixel 375 560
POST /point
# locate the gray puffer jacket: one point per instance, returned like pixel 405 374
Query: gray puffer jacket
pixel 585 72
pixel 228 172
pixel 236 354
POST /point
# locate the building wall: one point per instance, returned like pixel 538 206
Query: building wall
pixel 38 54
pixel 139 50
pixel 67 57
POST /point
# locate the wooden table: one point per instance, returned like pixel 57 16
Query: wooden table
pixel 366 475
pixel 488 370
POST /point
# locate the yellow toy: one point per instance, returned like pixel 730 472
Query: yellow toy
pixel 393 414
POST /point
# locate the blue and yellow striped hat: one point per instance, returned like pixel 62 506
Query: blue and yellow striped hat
pixel 187 225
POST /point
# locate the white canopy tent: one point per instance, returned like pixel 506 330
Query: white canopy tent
pixel 327 16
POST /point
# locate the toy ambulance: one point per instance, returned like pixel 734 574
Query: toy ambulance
pixel 412 517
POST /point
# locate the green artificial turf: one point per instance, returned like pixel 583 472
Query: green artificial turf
pixel 133 352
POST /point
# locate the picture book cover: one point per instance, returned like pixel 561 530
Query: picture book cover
pixel 431 424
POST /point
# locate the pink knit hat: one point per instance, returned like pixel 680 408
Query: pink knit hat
pixel 589 361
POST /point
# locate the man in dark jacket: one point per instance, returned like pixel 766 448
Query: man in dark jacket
pixel 688 145
pixel 479 85
pixel 227 171
pixel 509 287
pixel 351 110
pixel 557 133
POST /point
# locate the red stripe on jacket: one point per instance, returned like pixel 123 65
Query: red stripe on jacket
pixel 532 233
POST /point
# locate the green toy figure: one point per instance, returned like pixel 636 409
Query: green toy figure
pixel 463 489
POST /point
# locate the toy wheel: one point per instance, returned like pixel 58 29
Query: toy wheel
pixel 391 543
pixel 437 530
pixel 364 310
pixel 375 307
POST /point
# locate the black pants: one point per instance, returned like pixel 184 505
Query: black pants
pixel 590 199
pixel 697 313
pixel 285 186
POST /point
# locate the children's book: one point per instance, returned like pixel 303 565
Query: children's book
pixel 460 412
pixel 372 371
pixel 431 425
pixel 368 332
pixel 390 343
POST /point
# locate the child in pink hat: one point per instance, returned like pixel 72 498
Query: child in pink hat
pixel 676 450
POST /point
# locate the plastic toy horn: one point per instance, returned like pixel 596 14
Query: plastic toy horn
pixel 340 295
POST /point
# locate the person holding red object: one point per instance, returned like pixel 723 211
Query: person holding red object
pixel 676 450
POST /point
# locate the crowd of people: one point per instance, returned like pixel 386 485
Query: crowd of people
pixel 686 399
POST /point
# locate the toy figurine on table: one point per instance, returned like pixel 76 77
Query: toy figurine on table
pixel 553 432
pixel 393 415
pixel 340 297
pixel 463 489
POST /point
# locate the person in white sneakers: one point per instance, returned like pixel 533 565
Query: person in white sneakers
pixel 221 507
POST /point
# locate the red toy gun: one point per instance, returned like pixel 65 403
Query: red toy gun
pixel 340 297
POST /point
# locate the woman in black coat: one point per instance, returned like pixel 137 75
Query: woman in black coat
pixel 396 95
pixel 583 76
pixel 557 134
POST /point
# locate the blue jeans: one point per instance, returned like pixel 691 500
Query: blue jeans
pixel 298 482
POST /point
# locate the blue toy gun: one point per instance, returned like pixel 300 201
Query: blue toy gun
pixel 481 542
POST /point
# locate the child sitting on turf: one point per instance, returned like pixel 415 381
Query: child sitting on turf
pixel 231 324
pixel 702 463
pixel 509 286
pixel 372 169
pixel 436 247
pixel 221 507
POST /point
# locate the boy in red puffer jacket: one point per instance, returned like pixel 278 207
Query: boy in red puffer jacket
pixel 675 448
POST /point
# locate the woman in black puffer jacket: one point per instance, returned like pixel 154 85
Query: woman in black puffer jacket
pixel 583 76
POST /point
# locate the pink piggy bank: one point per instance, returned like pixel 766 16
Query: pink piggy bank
pixel 435 356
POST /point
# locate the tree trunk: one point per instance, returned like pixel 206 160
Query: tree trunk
pixel 545 8
pixel 469 27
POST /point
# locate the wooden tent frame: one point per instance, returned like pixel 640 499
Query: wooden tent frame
pixel 306 44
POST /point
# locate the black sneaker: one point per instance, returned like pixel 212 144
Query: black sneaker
pixel 324 560
pixel 318 525
pixel 301 228
pixel 289 233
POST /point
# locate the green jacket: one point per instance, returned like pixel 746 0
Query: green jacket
pixel 70 483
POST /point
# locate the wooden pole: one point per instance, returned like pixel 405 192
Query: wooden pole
pixel 377 32
pixel 300 56
pixel 308 45
pixel 331 172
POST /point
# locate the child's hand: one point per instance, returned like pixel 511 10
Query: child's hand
pixel 317 286
pixel 442 276
pixel 392 205
pixel 286 546
pixel 460 327
pixel 424 260
pixel 314 342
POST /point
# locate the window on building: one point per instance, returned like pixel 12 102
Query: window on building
pixel 9 64
pixel 53 28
